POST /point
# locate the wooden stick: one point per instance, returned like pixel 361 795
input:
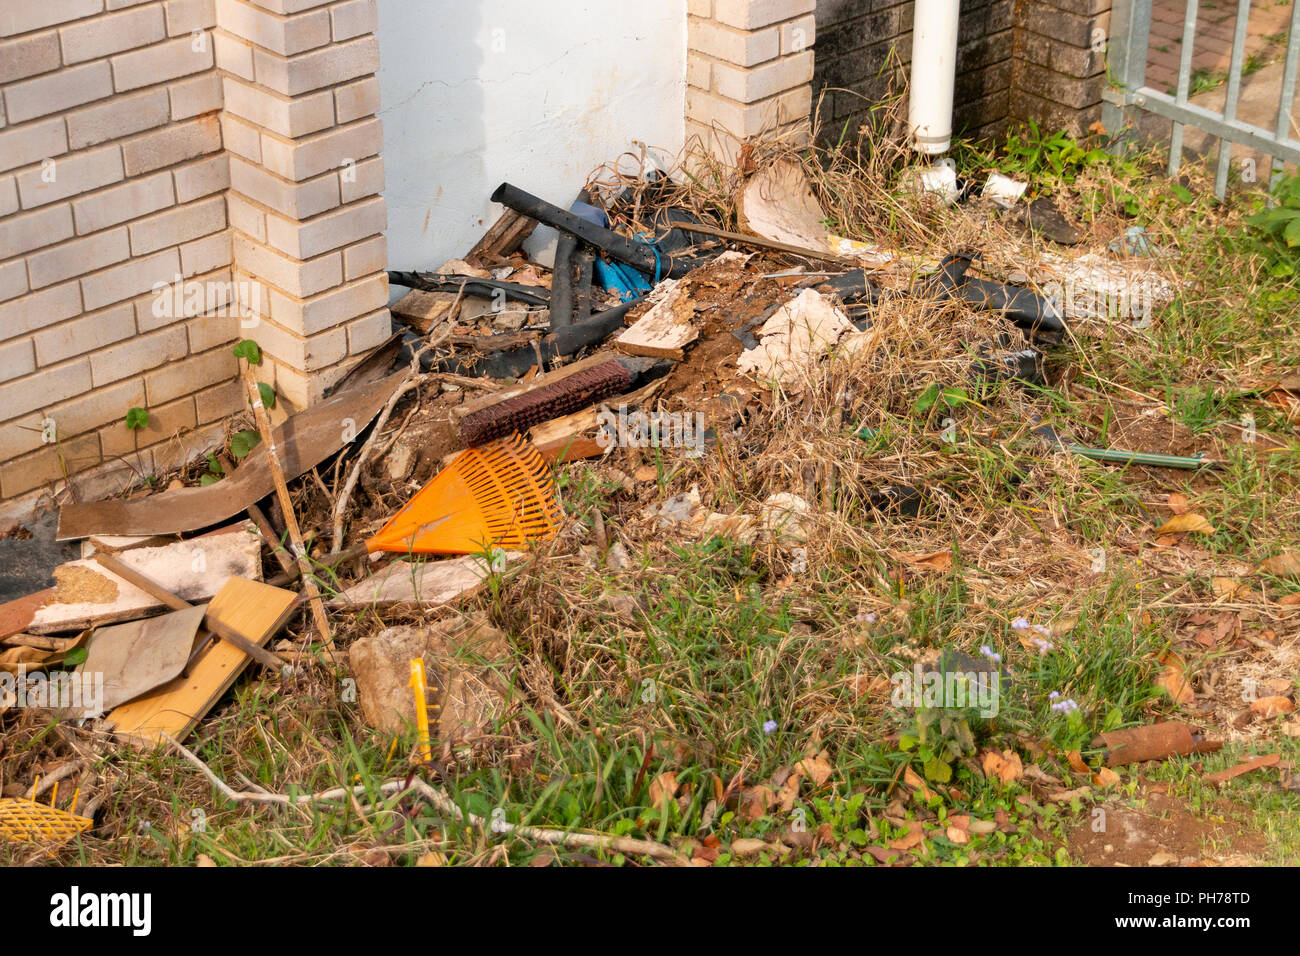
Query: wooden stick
pixel 153 588
pixel 286 506
pixel 259 654
pixel 146 584
pixel 759 242
pixel 440 799
pixel 258 517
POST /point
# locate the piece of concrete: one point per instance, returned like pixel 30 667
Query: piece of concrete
pixel 422 581
pixel 466 662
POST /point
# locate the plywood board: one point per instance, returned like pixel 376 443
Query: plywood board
pixel 256 611
pixel 88 594
pixel 666 329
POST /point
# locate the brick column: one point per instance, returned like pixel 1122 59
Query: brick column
pixel 749 69
pixel 1059 62
pixel 305 176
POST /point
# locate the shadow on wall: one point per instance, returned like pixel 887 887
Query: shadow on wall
pixel 858 39
pixel 539 94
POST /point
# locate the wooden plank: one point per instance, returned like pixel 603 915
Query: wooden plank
pixel 249 608
pixel 194 570
pixel 423 310
pixel 305 439
pixel 503 237
pixel 666 329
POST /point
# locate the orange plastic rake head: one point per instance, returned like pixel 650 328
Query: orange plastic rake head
pixel 500 495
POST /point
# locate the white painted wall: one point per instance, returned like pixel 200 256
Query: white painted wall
pixel 535 92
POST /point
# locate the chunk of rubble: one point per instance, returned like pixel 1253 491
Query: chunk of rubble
pixel 795 338
pixel 465 662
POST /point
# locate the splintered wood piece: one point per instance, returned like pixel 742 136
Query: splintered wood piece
pixel 666 329
pixel 251 609
pixel 423 310
pixel 504 236
pixel 420 582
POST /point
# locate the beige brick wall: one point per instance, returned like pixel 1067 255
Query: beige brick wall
pixel 749 70
pixel 156 158
pixel 112 181
pixel 305 176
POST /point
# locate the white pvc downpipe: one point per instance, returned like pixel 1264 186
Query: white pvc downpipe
pixel 934 72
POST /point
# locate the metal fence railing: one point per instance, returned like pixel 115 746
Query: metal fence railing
pixel 1128 92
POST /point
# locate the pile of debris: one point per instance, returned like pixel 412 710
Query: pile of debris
pixel 656 327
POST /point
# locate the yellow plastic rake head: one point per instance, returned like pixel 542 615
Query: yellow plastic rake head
pixel 498 496
pixel 26 821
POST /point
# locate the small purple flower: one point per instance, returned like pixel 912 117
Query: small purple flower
pixel 769 726
pixel 1020 624
pixel 1065 706
pixel 1045 631
pixel 865 617
pixel 992 655
pixel 1053 695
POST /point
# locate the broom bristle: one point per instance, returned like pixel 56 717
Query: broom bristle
pixel 568 395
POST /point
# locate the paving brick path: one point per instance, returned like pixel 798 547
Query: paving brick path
pixel 1212 49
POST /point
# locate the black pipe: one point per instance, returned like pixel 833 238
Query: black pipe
pixel 511 363
pixel 562 275
pixel 1025 307
pixel 472 285
pixel 586 263
pixel 636 254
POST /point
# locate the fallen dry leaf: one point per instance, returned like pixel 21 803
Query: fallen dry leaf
pixel 1178 503
pixel 1162 858
pixel 913 780
pixel 817 769
pixel 1173 680
pixel 1105 777
pixel 1282 565
pixel 662 789
pixel 1272 706
pixel 1212 634
pixel 1182 523
pixel 1076 762
pixel 748 846
pixel 913 837
pixel 755 801
pixel 1005 766
pixel 935 561
pixel 957 835
pixel 1291 600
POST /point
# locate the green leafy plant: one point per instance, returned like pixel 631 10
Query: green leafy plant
pixel 941 737
pixel 247 349
pixel 243 442
pixel 137 418
pixel 1034 154
pixel 214 473
pixel 950 396
pixel 1277 229
pixel 267 394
